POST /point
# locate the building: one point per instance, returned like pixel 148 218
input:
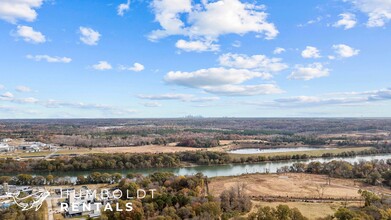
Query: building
pixel 4 147
pixel 30 148
pixel 6 140
pixel 82 204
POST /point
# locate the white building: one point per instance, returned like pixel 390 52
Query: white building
pixel 5 140
pixel 4 147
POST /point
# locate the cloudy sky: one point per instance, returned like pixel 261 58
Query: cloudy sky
pixel 215 58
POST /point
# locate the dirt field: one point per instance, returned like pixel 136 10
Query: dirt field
pixel 293 185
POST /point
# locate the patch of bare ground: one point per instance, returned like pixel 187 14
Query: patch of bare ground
pixel 294 185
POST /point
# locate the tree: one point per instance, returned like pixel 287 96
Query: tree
pixel 344 214
pixel 369 197
pixel 49 179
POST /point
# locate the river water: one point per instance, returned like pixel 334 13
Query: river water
pixel 222 170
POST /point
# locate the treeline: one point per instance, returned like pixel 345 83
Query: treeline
pixel 199 143
pixel 119 161
pixel 374 172
pixel 39 180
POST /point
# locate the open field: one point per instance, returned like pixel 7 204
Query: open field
pixel 293 185
pixel 137 149
pixel 309 210
pixel 313 153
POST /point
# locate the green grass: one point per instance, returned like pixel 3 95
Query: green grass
pixel 312 153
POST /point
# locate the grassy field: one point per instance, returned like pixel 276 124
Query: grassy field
pixel 293 185
pixel 309 210
pixel 313 153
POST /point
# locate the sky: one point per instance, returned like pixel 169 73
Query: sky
pixel 175 58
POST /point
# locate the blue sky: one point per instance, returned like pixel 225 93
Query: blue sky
pixel 172 58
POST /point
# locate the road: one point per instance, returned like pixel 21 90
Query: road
pixel 50 209
pixel 49 155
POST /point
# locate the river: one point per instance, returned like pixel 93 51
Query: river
pixel 222 170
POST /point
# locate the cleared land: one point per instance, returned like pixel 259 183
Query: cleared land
pixel 293 185
pixel 314 153
pixel 271 186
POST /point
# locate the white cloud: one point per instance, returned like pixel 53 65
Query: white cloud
pixel 310 52
pixel 122 8
pixel 49 59
pixel 89 36
pixel 212 77
pixel 210 19
pixel 279 50
pixel 152 104
pixel 107 109
pixel 29 34
pixel 7 95
pixel 311 71
pixel 258 62
pixel 137 67
pixel 2 87
pixel 378 11
pixel 178 96
pixel 197 45
pixel 244 90
pixel 344 51
pixel 23 89
pixel 346 98
pixel 29 100
pixel 347 21
pixel 102 65
pixel 14 10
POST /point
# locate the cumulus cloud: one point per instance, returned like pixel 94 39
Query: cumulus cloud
pixel 122 8
pixel 345 51
pixel 23 89
pixel 378 11
pixel 14 10
pixel 50 59
pixel 258 62
pixel 89 36
pixel 102 65
pixel 311 71
pixel 197 46
pixel 310 52
pixel 347 21
pixel 7 95
pixel 212 77
pixel 30 35
pixel 210 19
pixel 178 96
pixel 137 67
pixel 279 50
